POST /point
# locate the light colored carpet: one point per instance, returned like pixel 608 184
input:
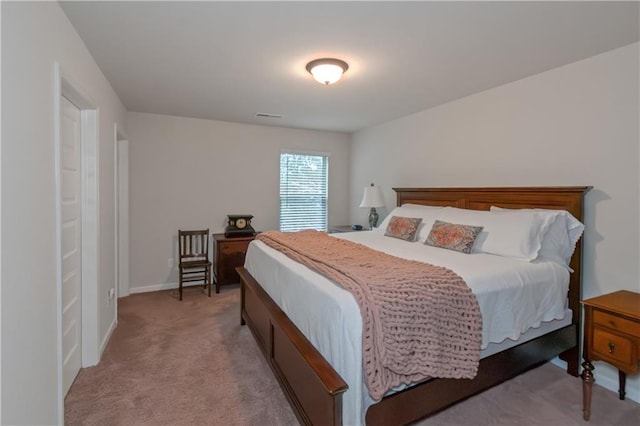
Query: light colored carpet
pixel 191 363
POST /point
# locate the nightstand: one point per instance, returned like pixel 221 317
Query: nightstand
pixel 343 228
pixel 228 255
pixel 612 335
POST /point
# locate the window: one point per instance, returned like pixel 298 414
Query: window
pixel 303 191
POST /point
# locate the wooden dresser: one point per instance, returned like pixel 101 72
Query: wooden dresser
pixel 228 255
pixel 612 335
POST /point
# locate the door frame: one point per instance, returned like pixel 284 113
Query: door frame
pixel 65 85
pixel 121 202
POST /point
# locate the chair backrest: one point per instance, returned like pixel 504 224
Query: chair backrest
pixel 193 245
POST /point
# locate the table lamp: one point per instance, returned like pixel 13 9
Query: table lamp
pixel 372 198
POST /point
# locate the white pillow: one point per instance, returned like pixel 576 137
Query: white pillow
pixel 559 242
pixel 428 214
pixel 511 234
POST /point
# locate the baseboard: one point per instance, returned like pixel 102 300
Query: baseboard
pixel 607 377
pixel 160 287
pixel 107 336
pixel 559 363
pixel 154 287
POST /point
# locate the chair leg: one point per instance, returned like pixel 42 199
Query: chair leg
pixel 209 279
pixel 180 283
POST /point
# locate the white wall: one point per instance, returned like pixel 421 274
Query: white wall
pixel 574 125
pixel 190 173
pixel 34 36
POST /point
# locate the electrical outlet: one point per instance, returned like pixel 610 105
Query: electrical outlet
pixel 170 262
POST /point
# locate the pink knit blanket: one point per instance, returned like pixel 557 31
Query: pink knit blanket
pixel 418 320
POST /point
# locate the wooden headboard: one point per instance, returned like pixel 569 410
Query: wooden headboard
pixel 570 198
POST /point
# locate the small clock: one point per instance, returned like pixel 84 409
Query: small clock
pixel 239 225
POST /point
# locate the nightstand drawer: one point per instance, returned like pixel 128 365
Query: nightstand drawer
pixel 231 248
pixel 616 323
pixel 618 350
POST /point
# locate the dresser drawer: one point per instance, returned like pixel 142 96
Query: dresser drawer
pixel 616 323
pixel 617 350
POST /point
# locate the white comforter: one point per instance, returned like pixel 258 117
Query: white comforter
pixel 513 295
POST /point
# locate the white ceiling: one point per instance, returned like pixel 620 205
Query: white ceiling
pixel 230 60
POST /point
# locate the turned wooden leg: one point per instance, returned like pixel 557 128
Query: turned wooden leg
pixel 622 382
pixel 587 384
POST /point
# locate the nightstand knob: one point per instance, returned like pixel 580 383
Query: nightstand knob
pixel 612 346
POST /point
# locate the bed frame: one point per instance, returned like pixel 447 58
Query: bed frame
pixel 313 387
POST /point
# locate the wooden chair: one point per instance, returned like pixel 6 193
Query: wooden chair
pixel 194 258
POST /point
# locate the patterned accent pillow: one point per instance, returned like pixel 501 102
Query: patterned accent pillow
pixel 453 236
pixel 404 228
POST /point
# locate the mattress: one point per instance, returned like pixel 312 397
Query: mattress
pixel 515 297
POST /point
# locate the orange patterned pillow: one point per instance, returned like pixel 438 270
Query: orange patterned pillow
pixel 404 228
pixel 453 236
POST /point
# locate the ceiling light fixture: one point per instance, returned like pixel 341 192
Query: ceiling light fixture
pixel 327 70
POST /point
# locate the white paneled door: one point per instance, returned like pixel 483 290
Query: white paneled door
pixel 71 225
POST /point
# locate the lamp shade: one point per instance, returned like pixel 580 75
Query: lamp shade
pixel 372 197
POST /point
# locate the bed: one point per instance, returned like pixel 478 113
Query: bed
pixel 316 391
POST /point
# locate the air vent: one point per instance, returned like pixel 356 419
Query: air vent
pixel 267 115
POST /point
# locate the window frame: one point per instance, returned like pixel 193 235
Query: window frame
pixel 327 158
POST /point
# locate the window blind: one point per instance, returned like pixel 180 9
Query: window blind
pixel 303 191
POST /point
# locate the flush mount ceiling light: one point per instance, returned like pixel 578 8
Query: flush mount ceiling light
pixel 327 70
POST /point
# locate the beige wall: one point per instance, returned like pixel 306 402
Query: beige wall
pixel 34 36
pixel 190 173
pixel 575 125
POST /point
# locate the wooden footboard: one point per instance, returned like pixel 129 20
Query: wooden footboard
pixel 313 387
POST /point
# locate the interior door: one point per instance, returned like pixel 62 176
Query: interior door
pixel 71 225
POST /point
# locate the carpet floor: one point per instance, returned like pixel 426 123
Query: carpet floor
pixel 191 363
